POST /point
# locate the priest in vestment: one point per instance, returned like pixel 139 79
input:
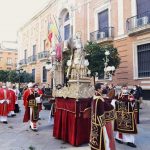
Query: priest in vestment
pixel 4 104
pixel 101 137
pixel 125 122
pixel 12 99
pixel 31 108
pixel 38 96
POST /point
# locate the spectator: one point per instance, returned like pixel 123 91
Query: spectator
pixel 140 95
pixel 136 94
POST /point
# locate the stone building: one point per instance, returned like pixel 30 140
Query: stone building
pixel 124 23
pixel 8 55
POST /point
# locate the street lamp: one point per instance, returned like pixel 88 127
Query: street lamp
pixel 19 70
pixel 108 70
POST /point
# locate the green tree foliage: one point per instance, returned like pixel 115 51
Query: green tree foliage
pixel 3 75
pixel 96 57
pixel 14 77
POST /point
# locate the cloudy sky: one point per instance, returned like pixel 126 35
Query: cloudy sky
pixel 13 15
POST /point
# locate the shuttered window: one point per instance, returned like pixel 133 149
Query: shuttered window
pixel 143 60
pixel 44 74
pixel 33 74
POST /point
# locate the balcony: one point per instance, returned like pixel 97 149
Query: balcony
pixel 104 35
pixel 138 24
pixel 43 55
pixel 9 64
pixel 23 62
pixel 32 59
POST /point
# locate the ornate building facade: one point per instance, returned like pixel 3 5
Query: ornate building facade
pixel 124 23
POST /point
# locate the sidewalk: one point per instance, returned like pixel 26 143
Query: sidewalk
pixel 17 135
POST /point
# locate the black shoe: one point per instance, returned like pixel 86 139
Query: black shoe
pixel 118 141
pixel 131 144
pixel 13 115
pixel 35 130
pixel 5 122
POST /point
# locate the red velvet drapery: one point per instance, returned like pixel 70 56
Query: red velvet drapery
pixel 69 124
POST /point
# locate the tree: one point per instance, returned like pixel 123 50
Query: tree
pixel 14 77
pixel 4 75
pixel 96 57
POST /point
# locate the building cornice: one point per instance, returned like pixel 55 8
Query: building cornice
pixel 38 14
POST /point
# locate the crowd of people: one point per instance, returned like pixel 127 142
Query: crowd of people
pixel 8 101
pixel 112 111
pixel 32 97
pixel 116 112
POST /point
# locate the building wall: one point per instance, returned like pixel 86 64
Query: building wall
pixel 84 18
pixel 6 54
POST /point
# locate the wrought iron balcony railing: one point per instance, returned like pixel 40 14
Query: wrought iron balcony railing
pixel 44 54
pixel 23 62
pixel 32 59
pixel 102 34
pixel 138 22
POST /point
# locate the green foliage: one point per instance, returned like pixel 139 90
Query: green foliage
pixel 14 77
pixel 3 75
pixel 26 77
pixel 96 57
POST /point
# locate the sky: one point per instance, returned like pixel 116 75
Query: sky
pixel 14 14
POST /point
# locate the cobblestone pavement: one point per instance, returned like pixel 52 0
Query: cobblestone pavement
pixel 17 135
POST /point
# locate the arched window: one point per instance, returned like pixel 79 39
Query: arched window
pixel 66 17
pixel 66 26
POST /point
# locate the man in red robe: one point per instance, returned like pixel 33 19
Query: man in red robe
pixel 4 104
pixel 38 96
pixel 12 99
pixel 101 137
pixel 31 108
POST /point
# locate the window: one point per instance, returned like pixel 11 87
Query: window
pixel 103 19
pixel 44 74
pixel 143 6
pixel 66 32
pixel 44 45
pixel 143 53
pixel 34 53
pixel 67 17
pixel 33 74
pixel 66 26
pixel 9 61
pixel 34 50
pixel 103 22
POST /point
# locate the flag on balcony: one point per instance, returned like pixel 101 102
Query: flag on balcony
pixel 59 51
pixel 50 36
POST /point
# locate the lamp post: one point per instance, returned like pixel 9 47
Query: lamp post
pixel 51 66
pixel 108 70
pixel 19 71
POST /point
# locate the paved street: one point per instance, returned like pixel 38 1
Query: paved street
pixel 20 137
